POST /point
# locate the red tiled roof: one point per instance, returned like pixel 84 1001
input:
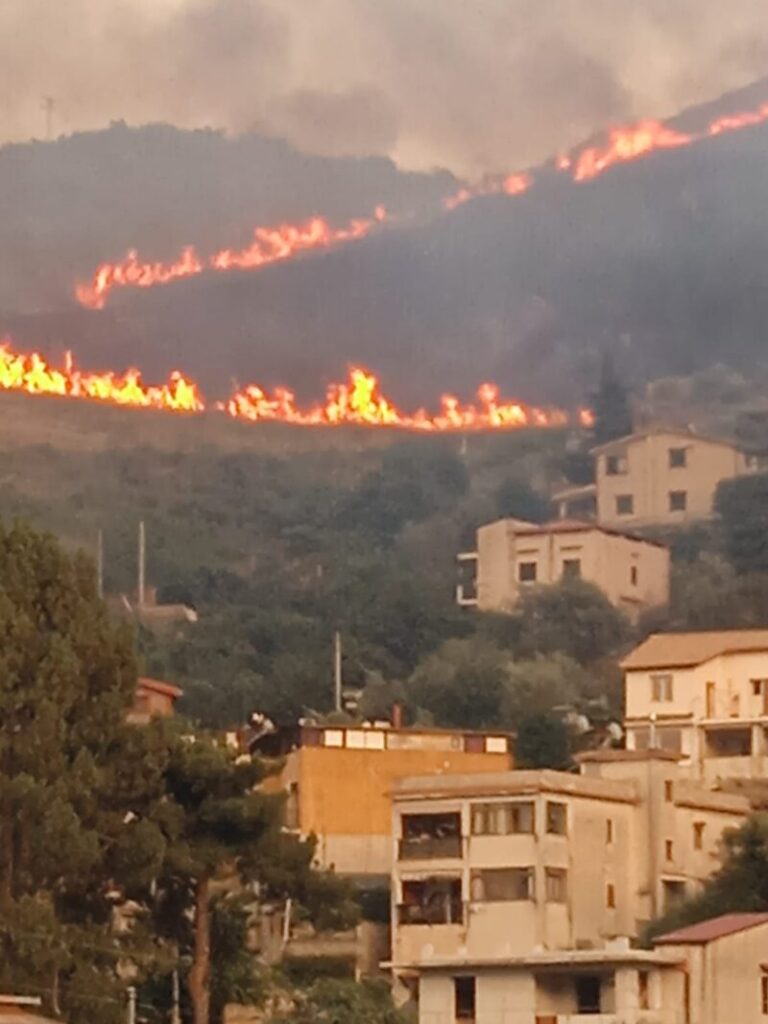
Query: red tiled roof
pixel 714 928
pixel 166 689
pixel 580 526
pixel 685 650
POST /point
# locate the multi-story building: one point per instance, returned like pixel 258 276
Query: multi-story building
pixel 714 972
pixel 656 478
pixel 338 780
pixel 507 864
pixel 513 555
pixel 703 696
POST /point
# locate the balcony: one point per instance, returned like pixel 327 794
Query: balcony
pixel 430 848
pixel 431 901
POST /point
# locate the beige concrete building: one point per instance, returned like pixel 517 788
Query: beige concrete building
pixel 513 555
pixel 704 697
pixel 338 781
pixel 714 972
pixel 509 864
pixel 657 478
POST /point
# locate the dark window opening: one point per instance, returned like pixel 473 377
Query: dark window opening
pixel 431 901
pixel 644 993
pixel 625 505
pixel 588 994
pixel 427 836
pixel 557 818
pixel 571 568
pixel 464 990
pixel 527 572
pixel 678 458
pixel 502 885
pixel 615 465
pixel 633 575
pixel 678 501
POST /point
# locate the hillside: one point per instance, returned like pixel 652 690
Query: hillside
pixel 663 257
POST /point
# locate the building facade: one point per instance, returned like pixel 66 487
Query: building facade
pixel 513 556
pixel 658 478
pixel 704 697
pixel 507 864
pixel 338 781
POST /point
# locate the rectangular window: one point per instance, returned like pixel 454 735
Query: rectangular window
pixel 556 885
pixel 615 465
pixel 625 505
pixel 527 572
pixel 670 740
pixel 643 990
pixel 633 575
pixel 610 896
pixel 571 568
pixel 698 835
pixel 669 849
pixel 609 831
pixel 678 458
pixel 764 993
pixel 502 885
pixel 678 501
pixel 503 819
pixel 587 994
pixel 661 688
pixel 557 818
pixel 668 791
pixel 464 994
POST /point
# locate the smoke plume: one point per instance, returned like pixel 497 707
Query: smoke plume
pixel 490 85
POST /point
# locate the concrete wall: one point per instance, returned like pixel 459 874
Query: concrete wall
pixel 607 560
pixel 649 478
pixel 344 797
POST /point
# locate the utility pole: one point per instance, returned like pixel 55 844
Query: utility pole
pixel 175 1008
pixel 132 1005
pixel 337 669
pixel 100 564
pixel 142 564
pixel 48 104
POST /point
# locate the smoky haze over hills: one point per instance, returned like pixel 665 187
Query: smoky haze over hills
pixel 665 258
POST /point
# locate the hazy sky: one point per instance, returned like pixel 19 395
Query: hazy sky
pixel 473 85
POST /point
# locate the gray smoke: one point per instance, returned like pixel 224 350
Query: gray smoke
pixel 487 85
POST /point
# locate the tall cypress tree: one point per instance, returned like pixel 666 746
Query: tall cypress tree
pixel 610 404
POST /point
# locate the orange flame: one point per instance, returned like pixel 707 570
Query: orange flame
pixel 356 401
pixel 269 245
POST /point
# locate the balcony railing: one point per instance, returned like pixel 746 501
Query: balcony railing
pixel 447 911
pixel 428 848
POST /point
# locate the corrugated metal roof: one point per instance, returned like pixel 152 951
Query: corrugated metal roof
pixel 711 930
pixel 685 650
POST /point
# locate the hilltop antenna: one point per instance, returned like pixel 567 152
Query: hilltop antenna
pixel 48 105
pixel 142 564
pixel 337 669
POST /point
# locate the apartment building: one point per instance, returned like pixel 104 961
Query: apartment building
pixel 338 781
pixel 702 696
pixel 505 865
pixel 513 555
pixel 714 972
pixel 656 478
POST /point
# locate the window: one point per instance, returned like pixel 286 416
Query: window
pixel 670 740
pixel 556 885
pixel 678 501
pixel 625 505
pixel 464 998
pixel 668 791
pixel 678 458
pixel 527 572
pixel 661 688
pixel 757 687
pixel 557 818
pixel 502 819
pixel 609 831
pixel 291 818
pixel 633 575
pixel 587 994
pixel 764 992
pixel 610 896
pixel 571 568
pixel 615 465
pixel 698 835
pixel 643 990
pixel 669 849
pixel 502 885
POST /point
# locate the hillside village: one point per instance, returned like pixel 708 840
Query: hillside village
pixel 524 831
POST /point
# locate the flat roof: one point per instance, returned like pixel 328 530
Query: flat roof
pixel 709 931
pixel 686 650
pixel 607 956
pixel 512 783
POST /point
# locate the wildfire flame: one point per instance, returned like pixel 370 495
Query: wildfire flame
pixel 269 245
pixel 356 401
pixel 284 242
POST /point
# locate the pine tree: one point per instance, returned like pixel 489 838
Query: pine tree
pixel 610 404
